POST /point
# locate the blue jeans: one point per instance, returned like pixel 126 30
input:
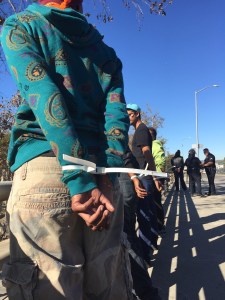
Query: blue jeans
pixel 141 280
pixel 147 219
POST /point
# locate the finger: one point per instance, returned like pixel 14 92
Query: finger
pixel 99 223
pixel 106 203
pixel 103 222
pixel 92 219
pixel 82 207
pixel 141 196
pixel 142 191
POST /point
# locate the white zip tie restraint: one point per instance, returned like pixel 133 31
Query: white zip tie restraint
pixel 90 167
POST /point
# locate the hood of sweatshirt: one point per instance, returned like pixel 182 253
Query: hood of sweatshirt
pixel 157 142
pixel 72 25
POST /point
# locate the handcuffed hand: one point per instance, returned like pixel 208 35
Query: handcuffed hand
pixel 139 189
pixel 94 207
pixel 158 185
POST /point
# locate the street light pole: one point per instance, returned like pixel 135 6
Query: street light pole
pixel 196 113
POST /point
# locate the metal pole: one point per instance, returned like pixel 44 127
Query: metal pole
pixel 196 113
pixel 196 122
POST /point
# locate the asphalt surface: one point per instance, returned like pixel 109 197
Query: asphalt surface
pixel 190 262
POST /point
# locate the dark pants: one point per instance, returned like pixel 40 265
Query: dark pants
pixel 141 281
pixel 159 208
pixel 147 220
pixel 211 172
pixel 179 177
pixel 195 183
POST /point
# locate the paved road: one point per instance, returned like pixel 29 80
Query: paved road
pixel 190 263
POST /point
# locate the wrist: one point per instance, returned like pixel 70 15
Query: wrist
pixel 133 177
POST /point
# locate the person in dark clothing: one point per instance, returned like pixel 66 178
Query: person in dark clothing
pixel 160 163
pixel 193 169
pixel 146 211
pixel 177 163
pixel 132 190
pixel 210 169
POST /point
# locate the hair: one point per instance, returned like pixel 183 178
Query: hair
pixel 191 153
pixel 153 132
pixel 135 111
pixel 177 153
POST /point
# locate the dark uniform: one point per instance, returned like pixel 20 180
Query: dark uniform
pixel 210 172
pixel 193 169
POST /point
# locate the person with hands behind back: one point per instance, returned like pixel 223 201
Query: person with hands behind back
pixel 158 154
pixel 146 213
pixel 66 226
pixel 133 192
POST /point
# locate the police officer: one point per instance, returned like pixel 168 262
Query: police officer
pixel 210 169
pixel 193 169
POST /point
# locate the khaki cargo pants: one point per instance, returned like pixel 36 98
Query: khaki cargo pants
pixel 54 255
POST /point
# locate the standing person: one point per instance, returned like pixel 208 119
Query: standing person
pixel 160 163
pixel 133 192
pixel 177 163
pixel 146 213
pixel 210 169
pixel 193 169
pixel 73 103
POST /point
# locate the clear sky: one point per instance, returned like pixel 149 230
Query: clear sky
pixel 165 62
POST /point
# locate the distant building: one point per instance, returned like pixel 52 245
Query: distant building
pixel 220 165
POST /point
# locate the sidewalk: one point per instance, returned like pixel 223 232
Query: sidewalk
pixel 190 262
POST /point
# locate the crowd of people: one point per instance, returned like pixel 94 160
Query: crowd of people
pixel 69 229
pixel 142 199
pixel 194 167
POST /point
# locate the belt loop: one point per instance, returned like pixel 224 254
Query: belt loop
pixel 24 171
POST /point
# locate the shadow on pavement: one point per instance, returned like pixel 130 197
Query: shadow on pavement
pixel 191 255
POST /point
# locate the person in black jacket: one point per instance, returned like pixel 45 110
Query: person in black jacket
pixel 210 169
pixel 133 192
pixel 193 169
pixel 177 163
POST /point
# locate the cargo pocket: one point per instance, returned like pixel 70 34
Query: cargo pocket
pixel 19 280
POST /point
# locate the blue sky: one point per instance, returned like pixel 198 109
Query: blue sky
pixel 170 58
pixel 165 62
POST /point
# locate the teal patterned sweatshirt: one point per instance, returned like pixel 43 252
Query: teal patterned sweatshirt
pixel 72 91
